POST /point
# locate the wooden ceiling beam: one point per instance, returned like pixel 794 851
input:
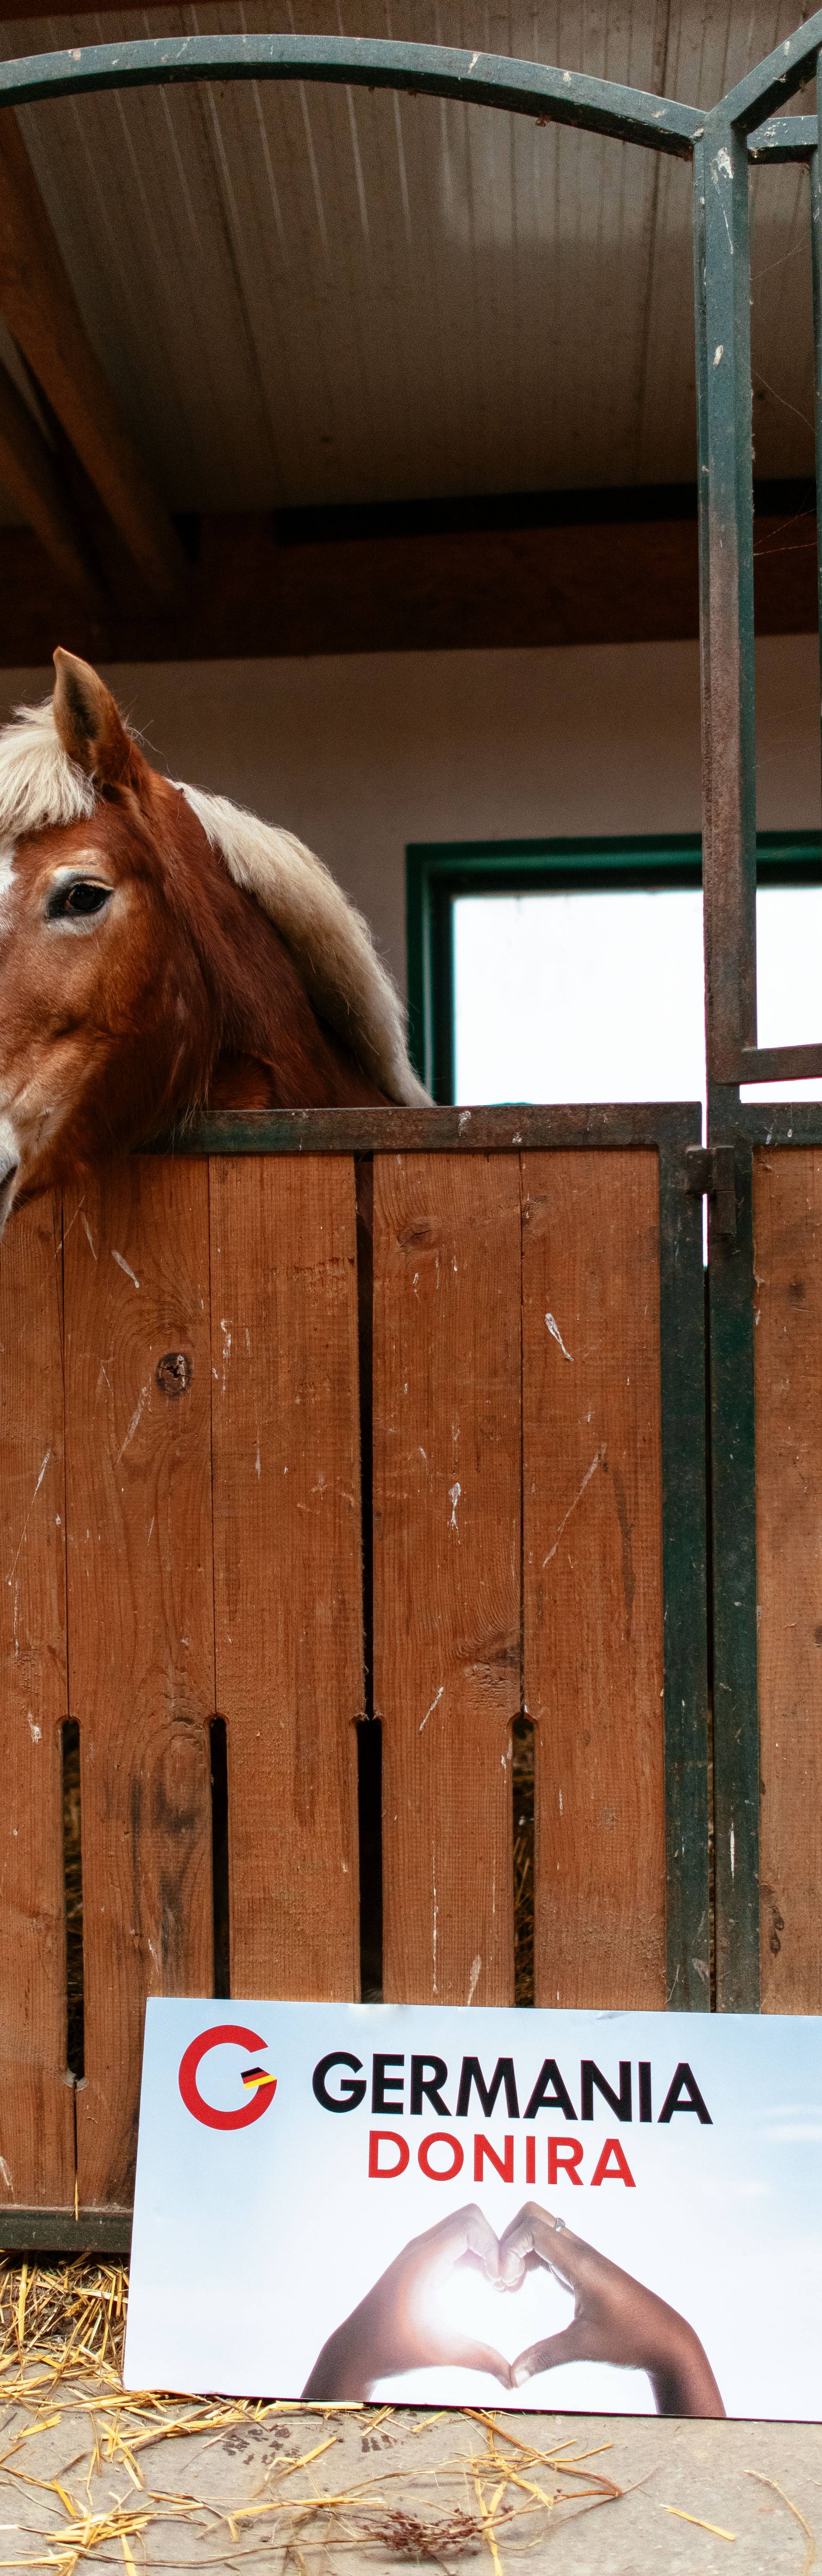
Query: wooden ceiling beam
pixel 253 595
pixel 28 474
pixel 43 316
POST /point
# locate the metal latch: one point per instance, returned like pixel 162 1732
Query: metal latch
pixel 710 1171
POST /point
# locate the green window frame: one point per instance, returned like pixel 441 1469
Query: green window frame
pixel 438 872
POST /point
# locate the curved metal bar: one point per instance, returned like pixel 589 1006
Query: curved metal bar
pixel 432 71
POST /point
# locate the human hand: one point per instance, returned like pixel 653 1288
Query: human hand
pixel 616 2319
pixel 397 2326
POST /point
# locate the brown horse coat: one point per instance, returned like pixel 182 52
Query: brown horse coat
pixel 163 953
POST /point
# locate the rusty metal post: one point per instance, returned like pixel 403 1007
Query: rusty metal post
pixel 722 281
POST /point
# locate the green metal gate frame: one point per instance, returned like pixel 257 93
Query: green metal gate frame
pixel 746 127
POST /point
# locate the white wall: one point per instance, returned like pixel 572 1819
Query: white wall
pixel 360 753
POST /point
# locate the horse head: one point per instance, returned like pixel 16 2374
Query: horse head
pixel 162 953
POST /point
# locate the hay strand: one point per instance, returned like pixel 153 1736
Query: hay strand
pixel 62 2327
pixel 810 2554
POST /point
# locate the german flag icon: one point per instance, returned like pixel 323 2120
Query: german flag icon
pixel 257 2079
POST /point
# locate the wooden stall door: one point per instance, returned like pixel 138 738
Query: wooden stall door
pixel 181 1521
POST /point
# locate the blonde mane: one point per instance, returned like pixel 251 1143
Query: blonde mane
pixel 329 939
pixel 41 787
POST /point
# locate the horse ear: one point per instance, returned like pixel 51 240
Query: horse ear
pixel 89 724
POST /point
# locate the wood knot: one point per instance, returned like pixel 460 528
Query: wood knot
pixel 174 1373
pixel 419 1237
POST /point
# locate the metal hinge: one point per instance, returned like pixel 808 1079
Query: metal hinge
pixel 710 1170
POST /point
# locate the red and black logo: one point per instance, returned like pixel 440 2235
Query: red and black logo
pixel 256 2079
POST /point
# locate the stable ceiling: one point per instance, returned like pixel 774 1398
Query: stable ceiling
pixel 304 296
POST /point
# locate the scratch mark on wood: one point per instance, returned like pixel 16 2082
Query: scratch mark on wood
pixel 225 1329
pixel 626 1533
pixel 122 1264
pixel 434 1704
pixel 591 1471
pixel 133 1423
pixel 29 1512
pixel 556 1336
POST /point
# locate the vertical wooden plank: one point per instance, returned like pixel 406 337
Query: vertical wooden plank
pixel 140 1621
pixel 447 1258
pixel 287 1562
pixel 36 2114
pixel 788 1382
pixel 593 1626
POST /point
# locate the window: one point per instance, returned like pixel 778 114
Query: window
pixel 563 971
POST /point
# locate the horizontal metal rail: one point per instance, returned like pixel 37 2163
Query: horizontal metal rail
pixel 511 1130
pixel 58 2231
pixel 783 138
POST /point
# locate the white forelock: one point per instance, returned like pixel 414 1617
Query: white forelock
pixel 41 787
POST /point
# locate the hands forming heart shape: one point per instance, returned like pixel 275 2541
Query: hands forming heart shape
pixel 402 2324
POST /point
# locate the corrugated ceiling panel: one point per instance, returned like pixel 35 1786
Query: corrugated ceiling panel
pixel 304 294
pixel 782 323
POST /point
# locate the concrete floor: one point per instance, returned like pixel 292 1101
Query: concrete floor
pixel 404 2475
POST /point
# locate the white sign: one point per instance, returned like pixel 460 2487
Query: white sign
pixel 595 2211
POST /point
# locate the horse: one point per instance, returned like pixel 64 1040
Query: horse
pixel 163 954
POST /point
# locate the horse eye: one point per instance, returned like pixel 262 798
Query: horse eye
pixel 81 898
